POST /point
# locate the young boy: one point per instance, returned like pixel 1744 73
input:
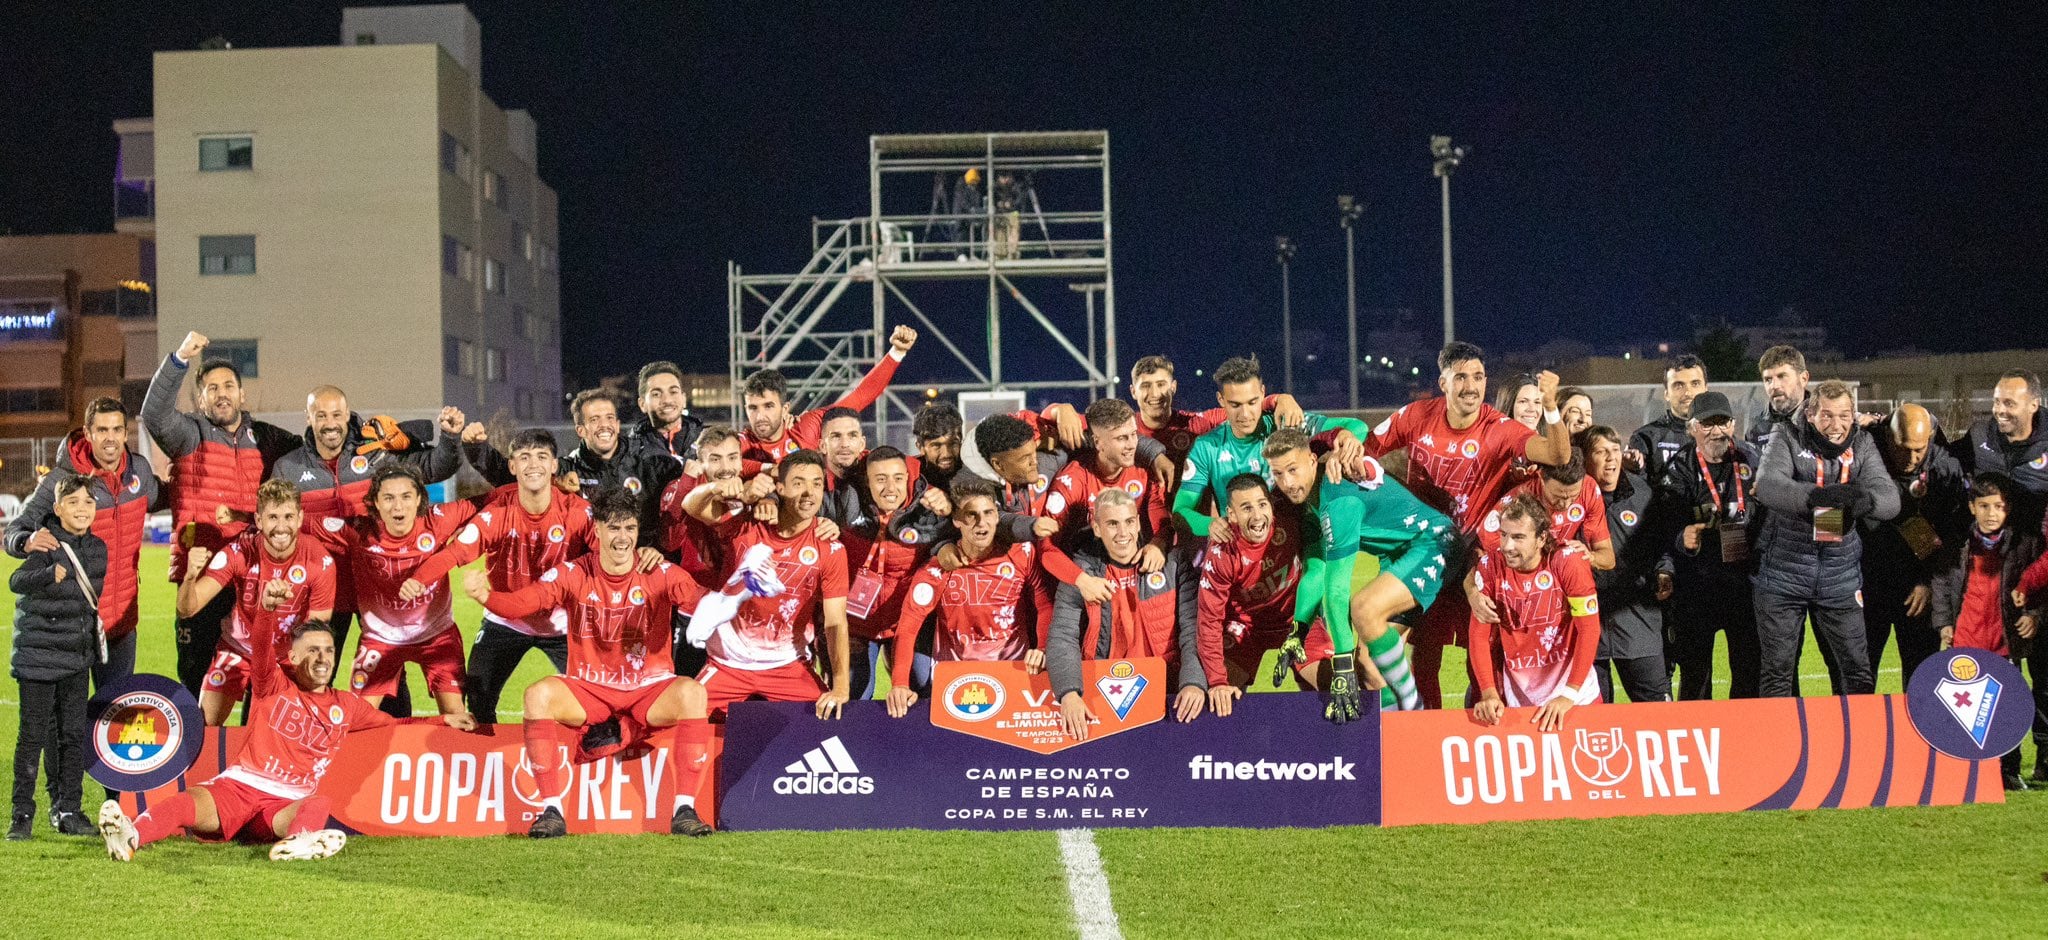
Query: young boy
pixel 1974 599
pixel 56 643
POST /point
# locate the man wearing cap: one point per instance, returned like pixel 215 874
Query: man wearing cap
pixel 1817 486
pixel 1707 497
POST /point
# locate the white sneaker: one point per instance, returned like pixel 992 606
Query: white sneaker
pixel 118 831
pixel 306 846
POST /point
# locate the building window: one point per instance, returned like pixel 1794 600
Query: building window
pixel 457 260
pixel 227 254
pixel 456 158
pixel 240 352
pixel 458 356
pixel 366 39
pixel 494 364
pixel 31 400
pixel 226 153
pixel 30 321
pixel 125 301
pixel 525 242
pixel 496 191
pixel 547 258
pixel 494 276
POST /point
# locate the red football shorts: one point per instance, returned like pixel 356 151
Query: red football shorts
pixel 793 682
pixel 246 813
pixel 229 674
pixel 379 666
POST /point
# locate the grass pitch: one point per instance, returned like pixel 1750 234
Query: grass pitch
pixel 1979 871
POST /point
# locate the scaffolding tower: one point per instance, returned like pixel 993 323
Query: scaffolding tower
pixel 1033 258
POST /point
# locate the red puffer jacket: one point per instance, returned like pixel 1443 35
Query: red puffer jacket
pixel 125 496
pixel 210 465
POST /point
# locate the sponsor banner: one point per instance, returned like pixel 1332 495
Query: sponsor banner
pixel 1670 758
pixel 146 731
pixel 1273 762
pixel 423 778
pixel 1970 704
pixel 1002 702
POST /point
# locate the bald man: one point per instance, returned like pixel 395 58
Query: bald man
pixel 332 467
pixel 1901 554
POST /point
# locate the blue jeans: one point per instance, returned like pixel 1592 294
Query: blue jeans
pixel 866 656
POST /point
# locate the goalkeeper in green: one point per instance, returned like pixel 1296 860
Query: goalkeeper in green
pixel 1340 519
pixel 1234 447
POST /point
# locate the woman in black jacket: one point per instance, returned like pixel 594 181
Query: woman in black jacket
pixel 56 641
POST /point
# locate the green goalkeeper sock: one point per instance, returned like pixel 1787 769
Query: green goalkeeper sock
pixel 1387 699
pixel 1392 658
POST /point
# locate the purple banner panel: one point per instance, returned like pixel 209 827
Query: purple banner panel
pixel 1274 762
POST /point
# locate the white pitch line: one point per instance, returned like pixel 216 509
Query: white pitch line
pixel 1094 915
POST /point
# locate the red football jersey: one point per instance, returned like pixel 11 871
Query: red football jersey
pixel 619 627
pixel 1247 589
pixel 804 433
pixel 243 566
pixel 1071 497
pixel 521 546
pixel 1584 518
pixel 1548 633
pixel 1462 473
pixel 293 734
pixel 381 562
pixel 769 632
pixel 990 610
pixel 1178 434
pixel 891 559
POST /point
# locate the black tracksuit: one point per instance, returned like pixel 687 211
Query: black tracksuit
pixel 1710 595
pixel 1631 617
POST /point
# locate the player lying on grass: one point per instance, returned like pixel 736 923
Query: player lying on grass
pixel 1535 620
pixel 620 662
pixel 296 727
pixel 1377 515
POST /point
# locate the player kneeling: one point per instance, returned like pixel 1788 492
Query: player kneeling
pixel 620 662
pixel 1535 621
pixel 296 727
pixel 1250 574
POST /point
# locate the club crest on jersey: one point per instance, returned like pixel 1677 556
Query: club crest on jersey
pixel 908 536
pixel 2039 463
pixel 1134 487
pixel 1182 441
pixel 1039 485
pixel 297 574
pixel 556 533
pixel 637 595
pixel 425 542
pixel 1576 513
pixel 359 680
pixel 1544 580
pixel 1742 470
pixel 973 697
pixel 1122 686
pixel 1155 581
pixel 807 555
pixel 134 484
pixel 359 465
pixel 1279 536
pixel 1006 570
pixel 1628 517
pixel 335 714
pixel 332 523
pixel 632 485
pixel 1470 449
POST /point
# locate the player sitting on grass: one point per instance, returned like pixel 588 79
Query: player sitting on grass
pixel 296 727
pixel 620 661
pixel 1377 515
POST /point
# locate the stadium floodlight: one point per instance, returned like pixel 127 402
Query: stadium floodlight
pixel 1283 250
pixel 1446 159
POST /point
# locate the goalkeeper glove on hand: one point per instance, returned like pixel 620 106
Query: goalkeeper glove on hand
pixel 1343 705
pixel 1291 654
pixel 381 432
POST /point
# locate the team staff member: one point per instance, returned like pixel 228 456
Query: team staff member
pixel 1707 504
pixel 1784 371
pixel 2014 441
pixel 1901 555
pixel 219 456
pixel 939 432
pixel 1633 592
pixel 604 461
pixel 666 425
pixel 1654 444
pixel 124 492
pixel 1818 485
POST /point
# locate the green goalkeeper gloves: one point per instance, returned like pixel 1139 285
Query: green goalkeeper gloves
pixel 1344 704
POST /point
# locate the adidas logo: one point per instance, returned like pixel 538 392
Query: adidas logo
pixel 825 769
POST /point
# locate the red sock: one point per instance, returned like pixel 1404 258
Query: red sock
pixel 692 748
pixel 1427 661
pixel 167 818
pixel 312 816
pixel 544 756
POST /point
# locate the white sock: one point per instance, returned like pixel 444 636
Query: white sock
pixel 682 801
pixel 553 804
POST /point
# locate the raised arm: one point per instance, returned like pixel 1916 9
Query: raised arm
pixel 176 433
pixel 872 385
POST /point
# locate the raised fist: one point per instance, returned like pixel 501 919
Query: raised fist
pixel 194 344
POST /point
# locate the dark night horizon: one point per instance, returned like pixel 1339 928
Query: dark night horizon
pixel 1632 171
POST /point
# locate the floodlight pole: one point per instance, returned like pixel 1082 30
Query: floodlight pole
pixel 1284 251
pixel 1348 212
pixel 1446 158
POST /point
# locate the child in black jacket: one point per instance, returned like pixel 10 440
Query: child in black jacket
pixel 56 641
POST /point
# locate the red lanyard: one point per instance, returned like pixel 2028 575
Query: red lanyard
pixel 1714 492
pixel 1820 468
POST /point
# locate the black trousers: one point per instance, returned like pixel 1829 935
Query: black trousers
pixel 690 660
pixel 1781 628
pixel 120 662
pixel 493 658
pixel 52 733
pixel 1644 678
pixel 1699 612
pixel 2037 676
pixel 197 637
pixel 1884 615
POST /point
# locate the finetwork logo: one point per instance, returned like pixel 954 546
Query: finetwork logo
pixel 825 770
pixel 1205 767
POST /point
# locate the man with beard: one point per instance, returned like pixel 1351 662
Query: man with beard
pixel 842 443
pixel 1707 501
pixel 1654 444
pixel 1578 512
pixel 1535 635
pixel 1633 592
pixel 773 433
pixel 604 462
pixel 666 425
pixel 1251 569
pixel 1785 381
pixel 219 456
pixel 1819 485
pixel 274 579
pixel 1902 555
pixel 124 491
pixel 1153 388
pixel 938 431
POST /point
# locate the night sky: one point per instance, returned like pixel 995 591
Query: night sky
pixel 1632 169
